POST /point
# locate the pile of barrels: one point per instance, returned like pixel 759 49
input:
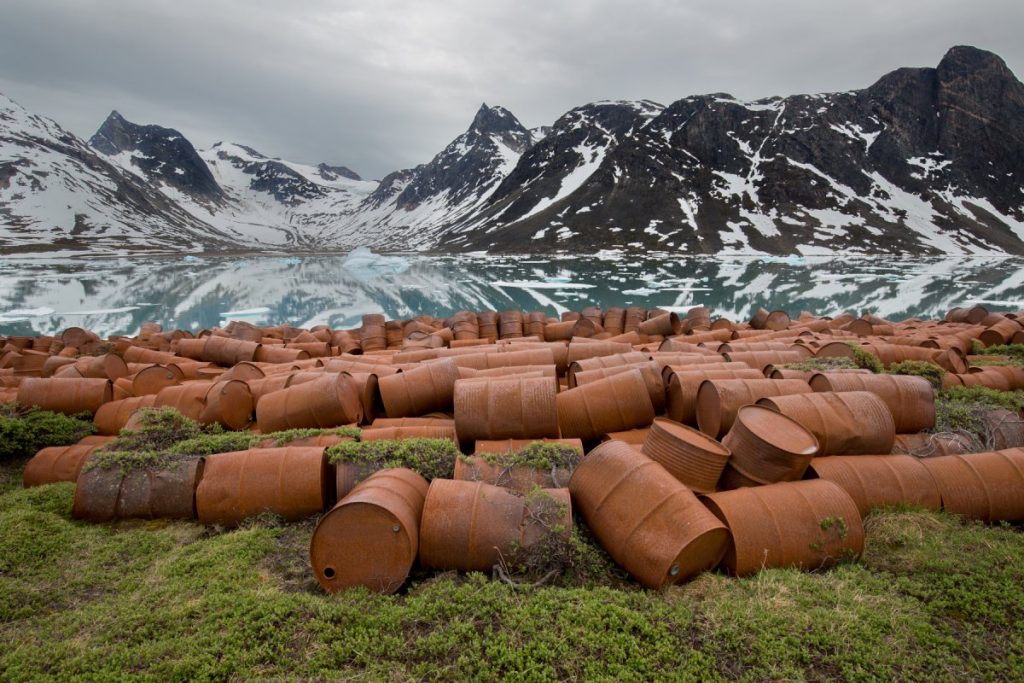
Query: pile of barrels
pixel 699 446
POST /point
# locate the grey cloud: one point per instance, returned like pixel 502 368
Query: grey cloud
pixel 384 85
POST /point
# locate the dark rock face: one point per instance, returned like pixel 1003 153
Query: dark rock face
pixel 288 186
pixel 915 163
pixel 468 166
pixel 162 154
pixel 334 172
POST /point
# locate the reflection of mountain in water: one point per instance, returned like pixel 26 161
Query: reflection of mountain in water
pixel 117 295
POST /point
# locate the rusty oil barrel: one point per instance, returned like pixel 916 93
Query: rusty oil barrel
pixel 102 495
pixel 803 524
pixel 330 401
pixel 718 400
pixel 879 480
pixel 844 423
pixel 911 400
pixel 506 408
pixel 766 448
pixel 472 526
pixel 65 395
pixel 112 417
pixel 424 389
pixel 649 523
pixel 291 482
pixel 371 537
pixel 983 486
pixel 692 457
pixel 681 390
pixel 613 404
pixel 59 463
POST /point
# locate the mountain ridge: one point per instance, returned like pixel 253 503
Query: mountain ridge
pixel 925 160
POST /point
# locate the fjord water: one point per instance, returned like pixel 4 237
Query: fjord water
pixel 115 295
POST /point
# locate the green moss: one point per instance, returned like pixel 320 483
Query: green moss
pixel 432 458
pixel 967 410
pixel 158 429
pixel 919 368
pixel 1014 352
pixel 24 431
pixel 158 600
pixel 822 365
pixel 282 438
pixel 864 359
pixel 537 455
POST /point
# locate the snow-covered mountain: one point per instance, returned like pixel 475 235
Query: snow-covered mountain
pixel 58 193
pixel 926 160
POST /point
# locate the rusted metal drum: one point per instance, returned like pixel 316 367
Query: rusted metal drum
pixel 371 537
pixel 373 333
pixel 471 526
pixel 973 315
pixel 487 325
pixel 644 517
pixel 614 320
pixel 948 359
pixel 984 486
pixel 664 325
pixel 846 423
pixel 506 408
pixel 112 417
pixel 331 401
pixel 928 445
pixel 614 404
pixel 292 482
pixel 269 384
pixel 1000 333
pixel 412 432
pixel 803 524
pixel 581 351
pixel 613 361
pixel 762 359
pixel 65 395
pixel 189 398
pixel 634 437
pixel 227 351
pixel 681 392
pixel 718 400
pixel 692 457
pixel 102 495
pixel 54 363
pixel 507 445
pixel 153 379
pixel 412 422
pixel 521 479
pixel 766 447
pixel 510 325
pixel 777 320
pixel 911 400
pixel 759 319
pixel 879 480
pixel 107 366
pixel 229 404
pixel 59 463
pixel 279 354
pixel 369 395
pixel 649 371
pixel 424 389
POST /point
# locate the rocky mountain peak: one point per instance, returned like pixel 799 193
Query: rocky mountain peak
pixel 496 120
pixel 157 153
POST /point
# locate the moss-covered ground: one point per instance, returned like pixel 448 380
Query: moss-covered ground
pixel 932 599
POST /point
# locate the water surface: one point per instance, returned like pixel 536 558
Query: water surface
pixel 116 295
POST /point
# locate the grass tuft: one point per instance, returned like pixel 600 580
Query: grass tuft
pixel 432 458
pixel 24 431
pixel 919 368
pixel 864 359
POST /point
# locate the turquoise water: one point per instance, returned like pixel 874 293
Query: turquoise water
pixel 115 295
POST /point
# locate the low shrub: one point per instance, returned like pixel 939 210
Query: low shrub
pixel 822 365
pixel 432 458
pixel 282 438
pixel 919 368
pixel 864 359
pixel 24 431
pixel 537 456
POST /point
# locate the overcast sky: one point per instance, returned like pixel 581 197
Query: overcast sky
pixel 380 85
